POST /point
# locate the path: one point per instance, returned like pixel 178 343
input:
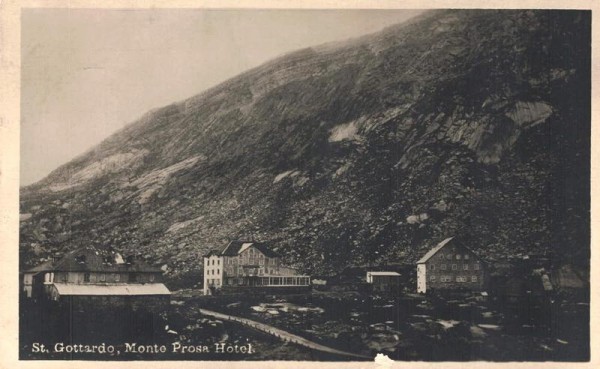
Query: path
pixel 283 335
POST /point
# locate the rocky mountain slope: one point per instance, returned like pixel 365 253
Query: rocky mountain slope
pixel 474 123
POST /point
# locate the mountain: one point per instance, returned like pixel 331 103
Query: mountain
pixel 370 151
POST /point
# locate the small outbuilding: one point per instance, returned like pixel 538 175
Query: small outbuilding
pixel 384 281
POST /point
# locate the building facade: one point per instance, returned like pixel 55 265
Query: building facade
pixel 450 266
pixel 96 275
pixel 248 264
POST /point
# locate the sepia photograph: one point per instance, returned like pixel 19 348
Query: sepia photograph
pixel 314 185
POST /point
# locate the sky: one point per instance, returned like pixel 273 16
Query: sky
pixel 87 73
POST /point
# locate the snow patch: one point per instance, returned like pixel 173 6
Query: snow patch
pixel 492 327
pixel 446 324
pixel 180 225
pixel 110 164
pixel 298 179
pixel 301 181
pixel 415 219
pixel 341 170
pixel 529 114
pixel 344 132
pixel 160 176
pixel 281 176
pixel 147 194
pixel 153 181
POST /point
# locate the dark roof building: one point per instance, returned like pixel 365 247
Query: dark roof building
pixel 92 259
pixel 94 271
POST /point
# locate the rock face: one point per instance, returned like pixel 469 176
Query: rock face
pixel 479 120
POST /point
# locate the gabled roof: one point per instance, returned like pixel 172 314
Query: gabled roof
pixel 266 250
pixel 95 259
pixel 434 250
pixel 43 267
pixel 236 247
pixel 114 289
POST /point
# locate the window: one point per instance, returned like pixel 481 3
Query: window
pixel 151 278
pixel 432 278
pixel 476 266
pixel 86 277
pixel 218 261
pixel 474 278
pixel 102 277
pixel 133 277
pixel 466 256
pixel 454 267
pixel 441 256
pixel 461 279
pixel 465 266
pixel 458 256
pixel 443 267
pixel 449 256
pixel 445 278
pixel 261 261
pixel 217 270
pixel 117 277
pixel 431 267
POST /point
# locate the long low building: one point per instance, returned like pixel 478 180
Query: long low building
pixel 94 275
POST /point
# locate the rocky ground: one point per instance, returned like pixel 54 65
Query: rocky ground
pixel 410 327
pixel 364 152
pixel 414 327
